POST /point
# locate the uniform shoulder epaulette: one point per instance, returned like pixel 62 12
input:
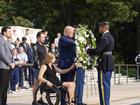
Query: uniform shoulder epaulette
pixel 105 37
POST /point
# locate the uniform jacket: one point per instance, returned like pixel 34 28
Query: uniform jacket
pixel 104 44
pixel 5 53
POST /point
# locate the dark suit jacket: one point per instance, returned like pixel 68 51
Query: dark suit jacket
pixel 5 53
pixel 67 52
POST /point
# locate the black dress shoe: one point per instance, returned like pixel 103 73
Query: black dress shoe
pixel 34 103
pixel 81 104
pixel 41 102
pixel 3 104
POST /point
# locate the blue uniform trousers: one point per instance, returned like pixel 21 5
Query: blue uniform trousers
pixel 80 75
pixel 104 77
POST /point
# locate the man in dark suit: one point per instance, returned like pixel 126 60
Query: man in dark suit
pixel 67 54
pixel 5 63
pixel 105 46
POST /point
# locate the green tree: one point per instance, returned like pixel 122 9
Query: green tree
pixel 5 13
pixel 9 16
pixel 56 14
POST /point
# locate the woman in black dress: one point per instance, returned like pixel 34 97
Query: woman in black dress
pixel 48 71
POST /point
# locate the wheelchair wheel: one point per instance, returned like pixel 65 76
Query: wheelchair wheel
pixel 53 96
pixel 40 95
pixel 45 95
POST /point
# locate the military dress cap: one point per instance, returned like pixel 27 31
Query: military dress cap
pixel 103 23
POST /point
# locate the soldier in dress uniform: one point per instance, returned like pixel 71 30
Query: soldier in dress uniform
pixel 105 46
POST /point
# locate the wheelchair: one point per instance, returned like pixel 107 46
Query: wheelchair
pixel 45 95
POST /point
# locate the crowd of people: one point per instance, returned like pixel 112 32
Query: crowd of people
pixel 15 57
pixel 23 53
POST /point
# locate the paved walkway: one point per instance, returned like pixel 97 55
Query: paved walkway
pixel 123 94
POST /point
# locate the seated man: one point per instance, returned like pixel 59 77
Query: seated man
pixel 48 71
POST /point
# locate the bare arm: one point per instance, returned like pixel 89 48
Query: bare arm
pixel 64 70
pixel 41 73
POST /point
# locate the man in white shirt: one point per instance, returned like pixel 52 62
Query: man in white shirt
pixel 24 59
pixel 56 40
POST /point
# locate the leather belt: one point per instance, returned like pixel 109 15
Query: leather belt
pixel 107 53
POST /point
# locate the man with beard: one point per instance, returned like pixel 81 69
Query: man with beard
pixel 40 52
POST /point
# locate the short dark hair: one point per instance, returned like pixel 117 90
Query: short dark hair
pixel 4 29
pixel 103 23
pixel 27 29
pixel 24 38
pixel 44 30
pixel 39 34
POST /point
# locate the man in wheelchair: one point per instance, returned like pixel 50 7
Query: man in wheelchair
pixel 47 77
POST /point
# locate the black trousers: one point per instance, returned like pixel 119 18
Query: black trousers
pixel 4 84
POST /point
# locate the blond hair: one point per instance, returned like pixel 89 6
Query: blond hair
pixel 48 58
pixel 67 29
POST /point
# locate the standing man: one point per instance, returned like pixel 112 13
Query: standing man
pixel 5 63
pixel 105 46
pixel 45 31
pixel 56 40
pixel 40 52
pixel 67 54
pixel 30 69
pixel 28 36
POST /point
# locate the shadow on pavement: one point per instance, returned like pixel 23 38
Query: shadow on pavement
pixel 136 104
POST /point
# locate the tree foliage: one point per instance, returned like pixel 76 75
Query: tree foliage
pixel 55 14
pixel 9 16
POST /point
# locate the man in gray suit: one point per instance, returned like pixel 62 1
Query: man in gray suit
pixel 5 63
